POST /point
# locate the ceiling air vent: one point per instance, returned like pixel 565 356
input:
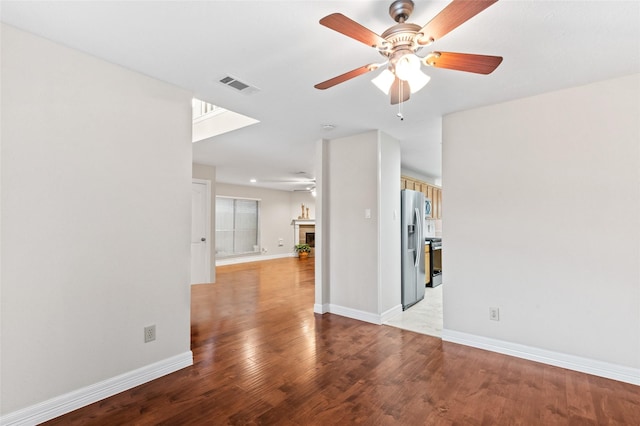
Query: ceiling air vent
pixel 238 85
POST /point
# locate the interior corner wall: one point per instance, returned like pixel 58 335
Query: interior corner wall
pixel 353 252
pixel 543 221
pixel 96 212
pixel 363 259
pixel 204 172
pixel 323 224
pixel 389 262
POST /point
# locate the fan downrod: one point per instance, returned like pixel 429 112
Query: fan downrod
pixel 400 10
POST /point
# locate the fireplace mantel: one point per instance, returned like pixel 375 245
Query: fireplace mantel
pixel 297 223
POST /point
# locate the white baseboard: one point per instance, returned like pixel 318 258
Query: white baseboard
pixel 79 398
pixel 387 315
pixel 359 315
pixel 247 259
pixel 558 359
pixel 320 308
pixel 355 314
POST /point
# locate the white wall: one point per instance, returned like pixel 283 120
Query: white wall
pixel 389 256
pixel 323 225
pixel 542 220
pixel 276 213
pixel 361 255
pixel 96 175
pixel 204 172
pixel 353 253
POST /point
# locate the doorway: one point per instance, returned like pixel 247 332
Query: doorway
pixel 200 231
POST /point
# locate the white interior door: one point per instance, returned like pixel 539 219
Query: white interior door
pixel 200 231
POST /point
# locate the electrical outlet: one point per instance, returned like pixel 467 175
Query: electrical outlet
pixel 494 314
pixel 150 333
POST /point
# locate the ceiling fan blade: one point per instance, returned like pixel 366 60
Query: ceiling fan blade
pixel 340 23
pixel 455 14
pixel 400 91
pixel 346 76
pixel 479 64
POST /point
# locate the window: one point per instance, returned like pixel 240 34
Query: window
pixel 236 226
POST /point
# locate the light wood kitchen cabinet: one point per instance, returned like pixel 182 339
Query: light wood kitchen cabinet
pixel 437 203
pixel 431 192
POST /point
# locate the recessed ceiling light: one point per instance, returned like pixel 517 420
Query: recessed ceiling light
pixel 253 181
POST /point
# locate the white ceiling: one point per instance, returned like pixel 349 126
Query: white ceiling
pixel 279 47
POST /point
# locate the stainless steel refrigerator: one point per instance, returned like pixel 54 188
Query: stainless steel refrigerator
pixel 413 278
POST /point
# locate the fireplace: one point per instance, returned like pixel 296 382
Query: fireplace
pixel 310 238
pixel 307 233
pixel 304 232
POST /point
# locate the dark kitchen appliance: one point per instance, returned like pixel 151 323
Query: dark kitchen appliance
pixel 435 262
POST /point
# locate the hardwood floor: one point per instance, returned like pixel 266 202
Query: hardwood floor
pixel 263 357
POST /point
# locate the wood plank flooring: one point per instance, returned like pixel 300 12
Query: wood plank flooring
pixel 261 356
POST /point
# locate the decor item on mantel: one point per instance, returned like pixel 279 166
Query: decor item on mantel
pixel 302 216
pixel 303 250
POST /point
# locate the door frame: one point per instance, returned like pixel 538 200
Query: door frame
pixel 207 225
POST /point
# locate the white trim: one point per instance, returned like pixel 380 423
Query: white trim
pixel 355 314
pixel 387 315
pixel 207 227
pixel 238 198
pixel 320 309
pixel 79 398
pixel 247 259
pixel 297 223
pixel 303 222
pixel 558 359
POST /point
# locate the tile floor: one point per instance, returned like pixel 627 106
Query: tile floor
pixel 424 317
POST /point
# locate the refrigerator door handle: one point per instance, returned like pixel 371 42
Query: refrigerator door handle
pixel 418 237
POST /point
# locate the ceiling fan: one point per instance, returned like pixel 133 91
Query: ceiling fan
pixel 400 43
pixel 303 182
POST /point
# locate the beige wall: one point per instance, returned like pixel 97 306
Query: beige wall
pixel 389 256
pixel 96 212
pixel 542 221
pixel 359 267
pixel 353 251
pixel 277 210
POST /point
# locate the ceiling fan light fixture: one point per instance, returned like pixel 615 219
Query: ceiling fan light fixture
pixel 406 66
pixel 384 80
pixel 400 42
pixel 418 80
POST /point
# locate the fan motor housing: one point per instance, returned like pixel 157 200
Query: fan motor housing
pixel 401 36
pixel 400 10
